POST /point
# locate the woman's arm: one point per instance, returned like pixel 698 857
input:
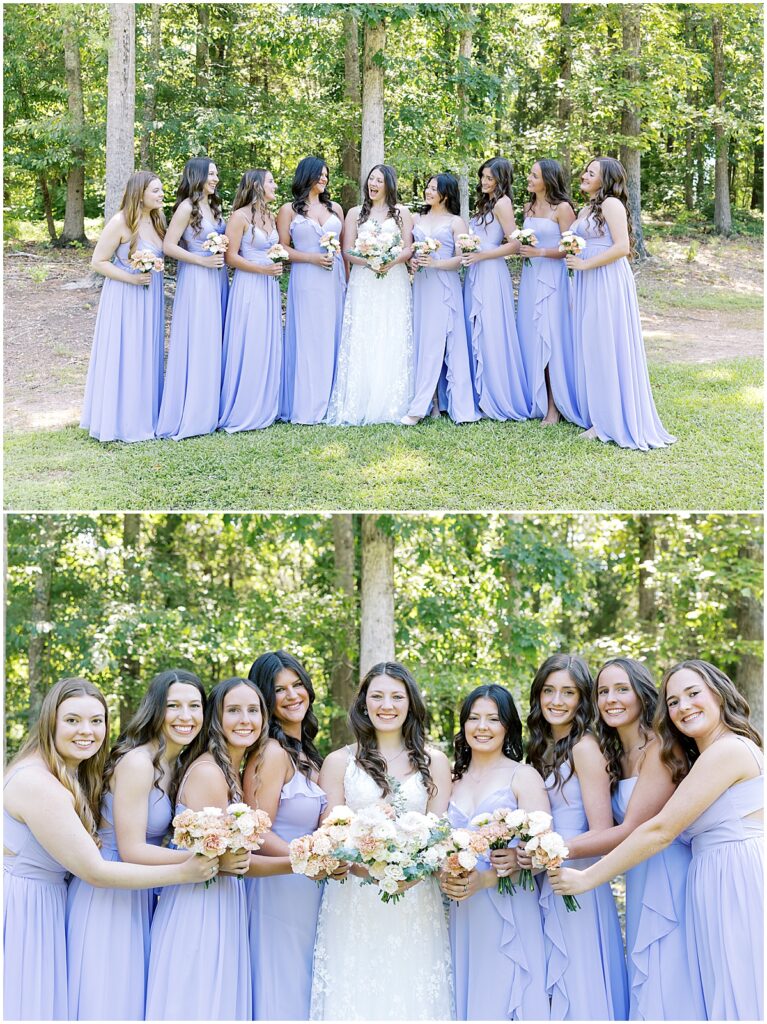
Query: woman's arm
pixel 615 214
pixel 530 791
pixel 458 226
pixel 591 769
pixel 236 227
pixel 170 246
pixel 110 239
pixel 442 779
pixel 350 237
pixel 331 779
pixel 206 786
pixel 504 214
pixel 133 786
pixel 263 791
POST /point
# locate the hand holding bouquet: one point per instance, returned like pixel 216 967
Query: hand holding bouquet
pixel 213 832
pixel 144 261
pixel 499 828
pixel 549 851
pixel 313 855
pixel 425 247
pixel 216 243
pixel 331 243
pixel 378 245
pixel 468 242
pixel 525 236
pixel 277 253
pixel 571 245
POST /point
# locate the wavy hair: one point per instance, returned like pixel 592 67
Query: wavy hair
pixel 502 171
pixel 614 183
pixel 447 188
pixel 509 716
pixel 146 725
pixel 130 204
pixel 85 782
pixel 541 737
pixel 392 196
pixel 263 673
pixel 308 173
pixel 368 757
pixel 642 684
pixel 191 187
pixel 554 184
pixel 679 752
pixel 250 192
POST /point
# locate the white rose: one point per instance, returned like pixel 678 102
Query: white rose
pixel 538 821
pixel 467 859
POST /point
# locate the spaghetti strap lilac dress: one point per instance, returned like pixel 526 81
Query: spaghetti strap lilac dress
pixel 252 359
pixel 313 323
pixel 193 377
pixel 104 985
pixel 34 934
pixel 501 387
pixel 499 960
pixel 725 903
pixel 661 982
pixel 585 964
pixel 124 383
pixel 613 385
pixel 545 328
pixel 283 914
pixel 439 331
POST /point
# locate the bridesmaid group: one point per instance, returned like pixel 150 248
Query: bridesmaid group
pixel 665 785
pixel 570 349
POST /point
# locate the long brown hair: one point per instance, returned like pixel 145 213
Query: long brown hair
pixel 191 187
pixel 642 684
pixel 85 782
pixel 614 183
pixel 555 190
pixel 250 192
pixel 392 195
pixel 130 204
pixel 502 171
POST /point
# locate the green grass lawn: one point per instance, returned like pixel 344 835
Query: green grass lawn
pixel 715 410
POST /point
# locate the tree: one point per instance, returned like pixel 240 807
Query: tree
pixel 749 675
pixel 350 147
pixel 342 676
pixel 465 43
pixel 74 214
pixel 146 158
pixel 374 44
pixel 565 103
pixel 722 214
pixel 377 594
pixel 631 19
pixel 121 100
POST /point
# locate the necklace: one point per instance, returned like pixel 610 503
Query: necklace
pixel 391 760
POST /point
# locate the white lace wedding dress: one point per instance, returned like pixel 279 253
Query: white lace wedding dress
pixel 375 960
pixel 375 375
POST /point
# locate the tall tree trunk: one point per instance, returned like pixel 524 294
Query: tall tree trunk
pixel 689 196
pixel 150 93
pixel 749 675
pixel 648 611
pixel 342 676
pixel 565 105
pixel 465 45
pixel 201 54
pixel 372 151
pixel 350 147
pixel 48 553
pixel 631 18
pixel 47 206
pixel 74 211
pixel 130 669
pixel 722 214
pixel 757 184
pixel 377 595
pixel 121 103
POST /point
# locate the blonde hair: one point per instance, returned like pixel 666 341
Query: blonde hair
pixel 131 206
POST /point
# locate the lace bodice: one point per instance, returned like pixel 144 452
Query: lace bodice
pixel 361 791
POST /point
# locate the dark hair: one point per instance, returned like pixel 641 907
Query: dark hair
pixel 553 182
pixel 146 724
pixel 614 183
pixel 509 716
pixel 193 179
pixel 735 715
pixel 540 730
pixel 263 673
pixel 447 187
pixel 413 730
pixel 308 173
pixel 211 739
pixel 609 741
pixel 392 196
pixel 501 170
pixel 250 192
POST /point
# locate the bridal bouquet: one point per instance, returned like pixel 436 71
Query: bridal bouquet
pixel 216 243
pixel 378 244
pixel 331 243
pixel 314 855
pixel 425 247
pixel 277 253
pixel 212 832
pixel 571 245
pixel 468 242
pixel 525 236
pixel 144 260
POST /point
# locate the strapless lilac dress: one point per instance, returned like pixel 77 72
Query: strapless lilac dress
pixel 499 959
pixel 108 931
pixel 283 913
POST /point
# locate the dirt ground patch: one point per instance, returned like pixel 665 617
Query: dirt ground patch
pixel 698 310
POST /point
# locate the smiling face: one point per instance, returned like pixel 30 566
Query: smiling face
pixel 152 197
pixel 484 730
pixel 322 182
pixel 80 729
pixel 270 187
pixel 487 182
pixel 291 700
pixel 212 182
pixel 693 707
pixel 241 718
pixel 377 185
pixel 183 715
pixel 430 193
pixel 535 179
pixel 387 703
pixel 559 701
pixel 591 179
pixel 618 703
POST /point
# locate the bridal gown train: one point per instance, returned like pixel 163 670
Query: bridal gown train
pixel 375 960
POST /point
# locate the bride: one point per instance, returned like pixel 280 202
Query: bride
pixel 375 370
pixel 375 960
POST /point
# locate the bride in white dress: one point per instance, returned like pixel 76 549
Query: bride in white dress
pixel 375 960
pixel 375 375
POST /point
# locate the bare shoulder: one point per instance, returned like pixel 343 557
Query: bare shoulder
pixel 526 775
pixel 587 746
pixel 613 203
pixel 274 753
pixel 337 210
pixel 205 769
pixel 504 203
pixel 337 758
pixel 438 758
pixel 138 760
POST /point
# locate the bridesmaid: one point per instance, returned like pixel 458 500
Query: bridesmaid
pixel 52 792
pixel 613 385
pixel 501 388
pixel 443 374
pixel 193 379
pixel 252 358
pixel 283 911
pixel 543 309
pixel 199 964
pixel 586 969
pixel 316 292
pixel 135 816
pixel 499 961
pixel 124 384
pixel 715 756
pixel 661 984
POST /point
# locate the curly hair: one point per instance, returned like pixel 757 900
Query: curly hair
pixel 554 185
pixel 308 173
pixel 679 752
pixel 614 183
pixel 447 190
pixel 392 195
pixel 502 171
pixel 191 187
pixel 368 756
pixel 250 192
pixel 130 204
pixel 539 729
pixel 642 684
pixel 263 672
pixel 509 716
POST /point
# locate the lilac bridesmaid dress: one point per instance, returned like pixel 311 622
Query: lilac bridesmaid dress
pixel 193 378
pixel 499 960
pixel 252 359
pixel 725 903
pixel 124 384
pixel 585 964
pixel 283 914
pixel 613 386
pixel 34 934
pixel 500 384
pixel 662 986
pixel 104 985
pixel 544 326
pixel 199 965
pixel 313 324
pixel 439 332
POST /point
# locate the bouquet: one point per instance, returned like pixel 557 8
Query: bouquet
pixel 548 851
pixel 277 253
pixel 331 243
pixel 144 260
pixel 425 247
pixel 498 829
pixel 532 825
pixel 572 245
pixel 462 849
pixel 525 236
pixel 216 243
pixel 468 242
pixel 313 855
pixel 212 831
pixel 377 244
